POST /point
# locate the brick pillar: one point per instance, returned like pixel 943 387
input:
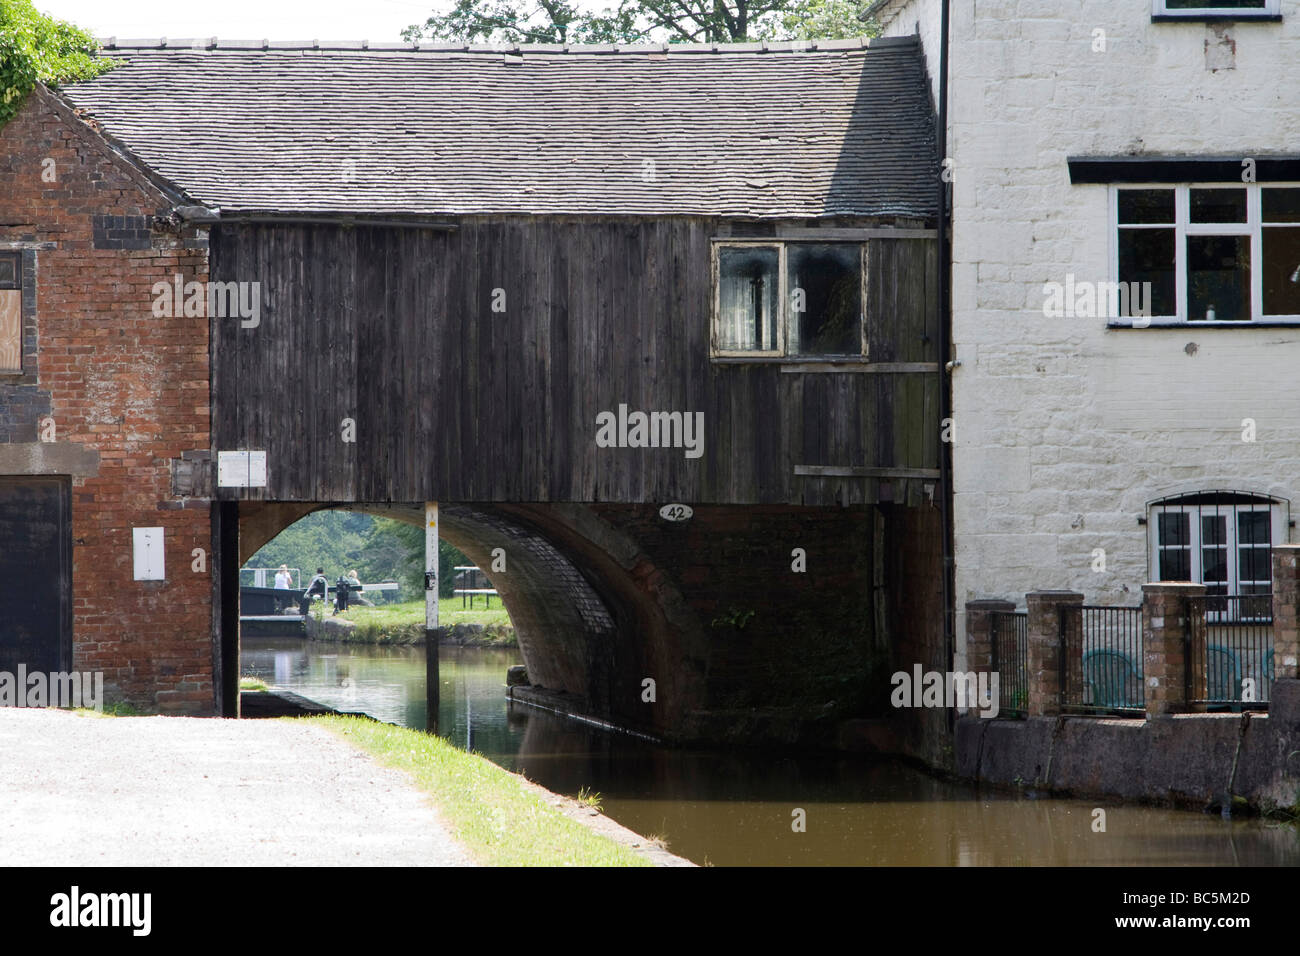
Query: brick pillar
pixel 1164 635
pixel 979 633
pixel 1044 649
pixel 1286 611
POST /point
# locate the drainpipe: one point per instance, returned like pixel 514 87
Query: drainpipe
pixel 945 358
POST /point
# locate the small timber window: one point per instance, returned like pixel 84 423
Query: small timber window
pixel 776 299
pixel 11 313
pixel 1214 254
pixel 1203 9
pixel 1221 539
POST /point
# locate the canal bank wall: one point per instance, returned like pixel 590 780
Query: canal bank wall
pixel 343 631
pixel 1203 761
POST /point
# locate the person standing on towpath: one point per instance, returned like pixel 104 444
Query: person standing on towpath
pixel 318 585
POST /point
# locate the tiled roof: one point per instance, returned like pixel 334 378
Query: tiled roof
pixel 784 130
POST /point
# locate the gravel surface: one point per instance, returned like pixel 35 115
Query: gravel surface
pixel 162 791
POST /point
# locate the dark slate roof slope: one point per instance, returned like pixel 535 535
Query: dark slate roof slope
pixel 846 129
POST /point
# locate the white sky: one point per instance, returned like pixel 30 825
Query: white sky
pixel 379 20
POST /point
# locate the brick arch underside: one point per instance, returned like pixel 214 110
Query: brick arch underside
pixel 592 616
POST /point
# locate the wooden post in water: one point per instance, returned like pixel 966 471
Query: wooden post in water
pixel 432 680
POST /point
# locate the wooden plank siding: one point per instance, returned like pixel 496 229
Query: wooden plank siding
pixel 394 329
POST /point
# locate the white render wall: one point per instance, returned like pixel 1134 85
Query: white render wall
pixel 1065 429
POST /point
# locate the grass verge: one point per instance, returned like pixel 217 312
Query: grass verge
pixel 114 709
pixel 404 623
pixel 499 821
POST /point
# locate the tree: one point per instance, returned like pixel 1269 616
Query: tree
pixel 35 48
pixel 645 21
pixel 380 549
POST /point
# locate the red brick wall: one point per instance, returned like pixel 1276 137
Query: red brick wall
pixel 129 385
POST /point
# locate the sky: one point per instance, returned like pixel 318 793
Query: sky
pixel 381 21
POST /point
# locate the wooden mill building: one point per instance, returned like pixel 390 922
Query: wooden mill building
pixel 553 289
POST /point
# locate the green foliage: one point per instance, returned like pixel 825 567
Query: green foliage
pixel 824 20
pixel 734 617
pixel 37 48
pixel 645 21
pixel 380 549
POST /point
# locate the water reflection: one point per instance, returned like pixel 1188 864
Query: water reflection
pixel 735 808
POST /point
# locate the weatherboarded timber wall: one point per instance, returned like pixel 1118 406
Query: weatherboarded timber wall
pixel 452 399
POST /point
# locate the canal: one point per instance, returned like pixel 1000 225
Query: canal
pixel 735 808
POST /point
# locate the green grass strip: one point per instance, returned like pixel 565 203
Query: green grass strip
pixel 498 820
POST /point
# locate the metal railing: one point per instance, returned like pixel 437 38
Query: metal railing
pixel 1230 655
pixel 1101 660
pixel 1010 641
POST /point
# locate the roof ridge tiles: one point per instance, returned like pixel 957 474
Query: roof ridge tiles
pixel 214 44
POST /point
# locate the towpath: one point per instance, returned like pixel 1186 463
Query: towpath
pixel 160 791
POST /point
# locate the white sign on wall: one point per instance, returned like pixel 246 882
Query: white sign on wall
pixel 148 551
pixel 241 469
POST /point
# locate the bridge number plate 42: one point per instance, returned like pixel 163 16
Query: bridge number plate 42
pixel 676 512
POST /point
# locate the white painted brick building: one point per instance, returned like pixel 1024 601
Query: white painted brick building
pixel 1068 429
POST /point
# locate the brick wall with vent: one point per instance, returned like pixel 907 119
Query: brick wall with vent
pixel 99 390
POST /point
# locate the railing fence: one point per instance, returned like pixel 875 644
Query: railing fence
pixel 1101 660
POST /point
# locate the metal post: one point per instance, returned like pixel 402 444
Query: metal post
pixel 432 679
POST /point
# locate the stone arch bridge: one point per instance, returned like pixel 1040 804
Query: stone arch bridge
pixel 740 646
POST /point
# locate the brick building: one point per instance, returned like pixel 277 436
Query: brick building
pixel 103 407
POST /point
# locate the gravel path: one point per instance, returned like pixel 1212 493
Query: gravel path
pixel 161 791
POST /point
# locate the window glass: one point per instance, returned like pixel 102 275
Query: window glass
pixel 1139 206
pixel 1218 278
pixel 824 286
pixel 747 298
pixel 1281 253
pixel 1218 205
pixel 1147 255
pixel 1216 4
pixel 8 270
pixel 1214 553
pixel 1254 552
pixel 1280 205
pixel 1175 546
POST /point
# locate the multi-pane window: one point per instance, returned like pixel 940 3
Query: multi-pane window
pixel 11 313
pixel 1241 9
pixel 1223 540
pixel 1211 253
pixel 787 298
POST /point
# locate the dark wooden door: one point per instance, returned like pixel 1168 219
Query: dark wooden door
pixel 35 574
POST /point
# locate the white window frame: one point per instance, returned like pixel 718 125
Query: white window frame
pixel 1276 510
pixel 1271 8
pixel 783 301
pixel 1184 227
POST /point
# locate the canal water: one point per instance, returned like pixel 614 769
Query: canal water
pixel 736 808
